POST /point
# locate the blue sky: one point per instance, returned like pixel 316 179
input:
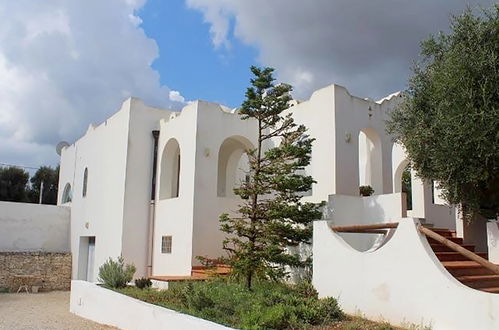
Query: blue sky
pixel 188 62
pixel 65 64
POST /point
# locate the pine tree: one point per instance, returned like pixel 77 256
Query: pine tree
pixel 272 218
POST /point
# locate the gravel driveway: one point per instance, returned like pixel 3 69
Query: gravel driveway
pixel 41 311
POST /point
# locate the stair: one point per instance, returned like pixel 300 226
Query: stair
pixel 198 273
pixel 468 272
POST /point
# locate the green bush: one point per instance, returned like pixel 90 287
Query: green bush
pixel 268 306
pixel 143 283
pixel 115 274
pixel 366 191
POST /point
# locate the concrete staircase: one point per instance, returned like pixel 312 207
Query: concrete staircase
pixel 468 272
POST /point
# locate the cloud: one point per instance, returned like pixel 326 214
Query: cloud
pixel 66 63
pixel 367 46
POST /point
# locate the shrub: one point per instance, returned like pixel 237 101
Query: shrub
pixel 115 274
pixel 269 305
pixel 366 191
pixel 143 283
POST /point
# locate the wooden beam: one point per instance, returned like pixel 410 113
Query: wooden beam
pixel 458 248
pixel 358 228
pixel 363 231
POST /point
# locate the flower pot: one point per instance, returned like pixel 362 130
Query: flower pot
pixel 35 288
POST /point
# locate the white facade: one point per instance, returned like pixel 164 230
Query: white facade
pixel 200 154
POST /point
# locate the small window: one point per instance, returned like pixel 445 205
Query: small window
pixel 166 244
pixel 66 195
pixel 85 181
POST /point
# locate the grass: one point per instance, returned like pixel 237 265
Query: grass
pixel 267 306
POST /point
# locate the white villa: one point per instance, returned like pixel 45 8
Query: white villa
pixel 149 184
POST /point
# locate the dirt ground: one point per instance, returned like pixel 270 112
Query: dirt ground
pixel 41 311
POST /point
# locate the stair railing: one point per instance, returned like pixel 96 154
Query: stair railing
pixel 457 248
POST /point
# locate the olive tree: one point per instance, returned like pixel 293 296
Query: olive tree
pixel 449 121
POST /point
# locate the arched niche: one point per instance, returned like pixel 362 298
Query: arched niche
pixel 170 170
pixel 233 164
pixel 370 160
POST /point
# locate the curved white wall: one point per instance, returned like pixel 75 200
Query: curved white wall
pixel 402 282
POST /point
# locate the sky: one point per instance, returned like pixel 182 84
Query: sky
pixel 65 64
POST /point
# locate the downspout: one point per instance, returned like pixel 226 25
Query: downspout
pixel 152 205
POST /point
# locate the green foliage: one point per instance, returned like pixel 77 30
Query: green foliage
pixel 13 184
pixel 366 191
pixel 268 306
pixel 50 178
pixel 143 283
pixel 271 217
pixel 449 121
pixel 407 186
pixel 115 274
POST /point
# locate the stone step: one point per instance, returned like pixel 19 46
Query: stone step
pixel 479 281
pixel 442 248
pixel 490 290
pixel 466 268
pixel 455 256
pixel 456 240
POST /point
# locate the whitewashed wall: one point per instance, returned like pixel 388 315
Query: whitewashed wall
pixel 111 308
pixel 345 210
pixel 401 282
pixel 33 227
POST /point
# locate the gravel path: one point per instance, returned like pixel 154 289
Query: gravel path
pixel 41 311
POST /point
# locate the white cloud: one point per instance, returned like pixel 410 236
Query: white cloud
pixel 176 96
pixel 66 63
pixel 367 46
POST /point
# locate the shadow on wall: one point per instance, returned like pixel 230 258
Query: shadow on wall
pixel 343 210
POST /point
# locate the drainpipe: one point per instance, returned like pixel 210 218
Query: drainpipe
pixel 152 205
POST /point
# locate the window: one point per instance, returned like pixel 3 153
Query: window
pixel 166 244
pixel 85 180
pixel 66 195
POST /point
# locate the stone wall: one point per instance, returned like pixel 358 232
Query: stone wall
pixel 51 270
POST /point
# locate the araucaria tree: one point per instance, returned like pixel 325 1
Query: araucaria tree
pixel 449 122
pixel 272 218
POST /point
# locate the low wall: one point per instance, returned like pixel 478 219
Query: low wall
pixel 355 210
pixel 32 227
pixel 401 282
pixel 111 308
pixel 51 270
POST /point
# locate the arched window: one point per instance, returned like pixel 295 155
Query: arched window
pixel 66 195
pixel 370 160
pixel 170 171
pixel 85 182
pixel 233 165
